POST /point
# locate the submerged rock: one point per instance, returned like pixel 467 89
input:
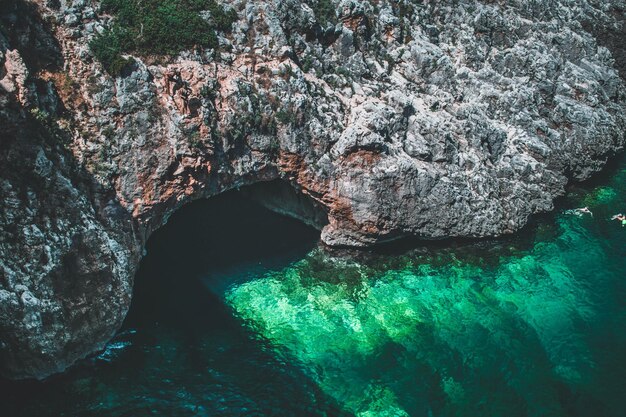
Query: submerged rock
pixel 434 119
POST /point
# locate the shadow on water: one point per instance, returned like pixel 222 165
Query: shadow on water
pixel 181 351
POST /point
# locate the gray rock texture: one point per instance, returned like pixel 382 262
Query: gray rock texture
pixel 394 118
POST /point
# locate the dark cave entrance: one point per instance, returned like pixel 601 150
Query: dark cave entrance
pixel 243 231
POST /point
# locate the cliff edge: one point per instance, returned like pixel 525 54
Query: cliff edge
pixel 452 118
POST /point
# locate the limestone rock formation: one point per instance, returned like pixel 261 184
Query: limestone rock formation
pixel 394 117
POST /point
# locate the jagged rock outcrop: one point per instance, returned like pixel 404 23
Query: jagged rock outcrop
pixel 427 118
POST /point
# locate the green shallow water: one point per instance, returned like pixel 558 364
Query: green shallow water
pixel 238 313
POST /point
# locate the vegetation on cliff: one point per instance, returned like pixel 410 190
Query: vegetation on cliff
pixel 159 27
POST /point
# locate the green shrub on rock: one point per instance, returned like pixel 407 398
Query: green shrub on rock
pixel 158 27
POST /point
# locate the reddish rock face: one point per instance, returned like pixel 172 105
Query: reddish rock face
pixel 447 119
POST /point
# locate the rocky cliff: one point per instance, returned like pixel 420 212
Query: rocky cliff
pixel 391 118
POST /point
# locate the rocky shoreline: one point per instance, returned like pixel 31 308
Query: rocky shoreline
pixel 386 119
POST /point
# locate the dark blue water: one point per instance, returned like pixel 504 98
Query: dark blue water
pixel 237 312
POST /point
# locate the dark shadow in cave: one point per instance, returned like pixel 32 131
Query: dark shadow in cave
pixel 224 238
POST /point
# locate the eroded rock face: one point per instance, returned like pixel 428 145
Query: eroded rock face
pixel 433 118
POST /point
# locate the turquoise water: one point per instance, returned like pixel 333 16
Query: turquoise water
pixel 239 313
